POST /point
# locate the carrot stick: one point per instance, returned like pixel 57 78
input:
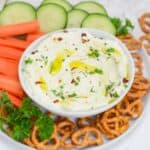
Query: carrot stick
pixel 15 100
pixel 18 29
pixel 33 37
pixel 8 68
pixel 10 53
pixel 14 43
pixel 11 85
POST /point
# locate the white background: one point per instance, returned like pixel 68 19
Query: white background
pixel 139 139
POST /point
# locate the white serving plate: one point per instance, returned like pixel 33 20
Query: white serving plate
pixel 112 8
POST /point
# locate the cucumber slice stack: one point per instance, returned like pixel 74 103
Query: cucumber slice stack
pixel 67 6
pixel 17 12
pixel 51 17
pixel 91 7
pixel 99 21
pixel 58 14
pixel 75 17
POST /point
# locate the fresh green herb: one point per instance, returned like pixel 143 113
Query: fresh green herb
pixel 54 91
pixel 28 61
pixel 61 86
pixel 58 94
pixel 45 125
pixel 78 79
pixel 93 53
pixel 115 95
pixel 97 71
pixel 28 109
pixel 73 95
pixel 92 90
pixel 122 28
pixel 110 50
pixel 43 59
pixel 21 129
pixel 1 124
pixel 20 120
pixel 76 83
pixel 125 85
pixel 108 88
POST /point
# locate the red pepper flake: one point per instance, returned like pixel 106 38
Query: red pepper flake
pixel 56 101
pixel 85 41
pixel 60 39
pixel 59 81
pixel 65 31
pixel 34 52
pixel 125 80
pixel 57 39
pixel 73 81
pixel 38 82
pixel 83 34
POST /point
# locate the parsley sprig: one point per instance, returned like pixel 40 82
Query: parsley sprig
pixel 21 120
pixel 122 28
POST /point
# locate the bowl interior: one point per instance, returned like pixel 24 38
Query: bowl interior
pixel 96 33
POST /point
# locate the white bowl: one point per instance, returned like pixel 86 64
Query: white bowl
pixel 96 33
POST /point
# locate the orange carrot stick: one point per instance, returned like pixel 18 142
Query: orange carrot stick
pixel 18 29
pixel 11 85
pixel 33 37
pixel 8 68
pixel 14 43
pixel 10 53
pixel 15 100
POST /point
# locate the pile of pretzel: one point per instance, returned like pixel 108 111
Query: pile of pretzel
pixel 89 131
pixel 144 41
pixel 144 22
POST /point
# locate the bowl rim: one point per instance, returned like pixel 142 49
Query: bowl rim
pixel 97 33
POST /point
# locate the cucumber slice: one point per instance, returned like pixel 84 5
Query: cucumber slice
pixel 91 7
pixel 75 17
pixel 99 21
pixel 62 3
pixel 17 12
pixel 51 17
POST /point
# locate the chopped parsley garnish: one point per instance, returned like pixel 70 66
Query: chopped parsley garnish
pixel 108 88
pixel 21 120
pixel 115 95
pixel 78 79
pixel 58 94
pixel 43 59
pixel 97 71
pixel 92 90
pixel 110 50
pixel 122 28
pixel 61 86
pixel 28 61
pixel 72 95
pixel 93 53
pixel 125 85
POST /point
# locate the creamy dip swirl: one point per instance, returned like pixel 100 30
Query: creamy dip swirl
pixel 76 71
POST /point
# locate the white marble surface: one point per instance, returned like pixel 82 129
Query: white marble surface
pixel 139 138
